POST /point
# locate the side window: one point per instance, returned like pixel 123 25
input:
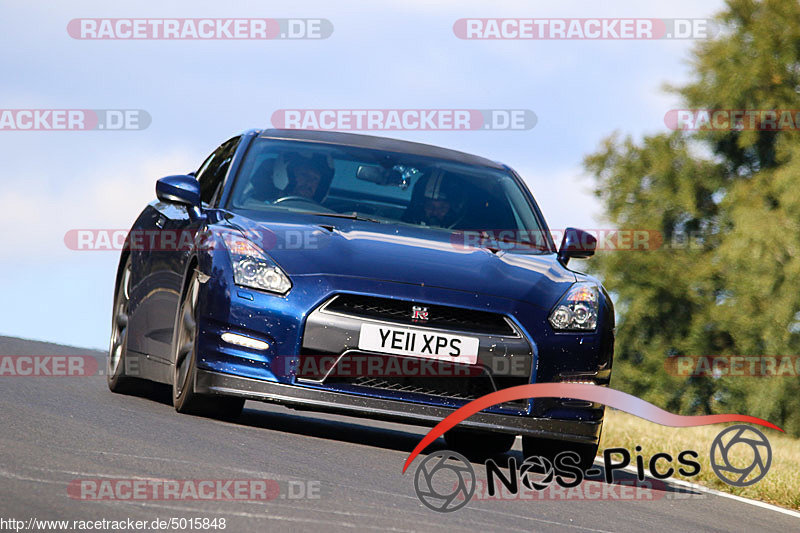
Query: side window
pixel 213 170
pixel 205 165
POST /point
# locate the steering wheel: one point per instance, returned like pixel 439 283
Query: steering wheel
pixel 301 199
pixel 293 198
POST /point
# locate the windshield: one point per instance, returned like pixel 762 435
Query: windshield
pixel 384 187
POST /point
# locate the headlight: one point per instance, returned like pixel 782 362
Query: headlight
pixel 252 268
pixel 577 310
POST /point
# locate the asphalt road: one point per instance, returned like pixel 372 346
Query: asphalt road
pixel 56 430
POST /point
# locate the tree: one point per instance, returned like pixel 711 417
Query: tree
pixel 727 278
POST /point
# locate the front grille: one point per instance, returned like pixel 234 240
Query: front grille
pixel 463 389
pixel 456 382
pixel 458 389
pixel 440 316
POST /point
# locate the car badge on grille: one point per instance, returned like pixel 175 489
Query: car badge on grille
pixel 419 313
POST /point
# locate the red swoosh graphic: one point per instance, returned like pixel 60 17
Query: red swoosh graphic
pixel 590 393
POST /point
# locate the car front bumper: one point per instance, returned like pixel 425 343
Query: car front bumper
pixel 215 383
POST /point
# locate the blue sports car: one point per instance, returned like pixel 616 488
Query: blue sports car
pixel 361 275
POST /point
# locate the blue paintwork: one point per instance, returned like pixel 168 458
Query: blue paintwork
pixel 387 260
pixel 179 189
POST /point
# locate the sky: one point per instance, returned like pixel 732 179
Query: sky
pixel 381 55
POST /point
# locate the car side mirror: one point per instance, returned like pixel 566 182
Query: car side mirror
pixel 576 243
pixel 180 189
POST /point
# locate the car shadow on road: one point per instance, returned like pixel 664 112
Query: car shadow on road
pixel 404 438
pixel 340 428
pixel 150 390
pixel 625 485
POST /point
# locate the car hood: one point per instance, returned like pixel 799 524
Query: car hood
pixel 406 254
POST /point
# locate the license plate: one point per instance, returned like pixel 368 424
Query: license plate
pixel 418 343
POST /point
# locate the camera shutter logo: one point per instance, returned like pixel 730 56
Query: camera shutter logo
pixel 540 465
pixel 735 475
pixel 449 499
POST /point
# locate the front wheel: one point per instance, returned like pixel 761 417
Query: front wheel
pixel 184 349
pixel 118 381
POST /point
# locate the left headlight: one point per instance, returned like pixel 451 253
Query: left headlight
pixel 577 310
pixel 253 268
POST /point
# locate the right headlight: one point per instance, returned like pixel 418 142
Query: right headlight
pixel 252 268
pixel 577 310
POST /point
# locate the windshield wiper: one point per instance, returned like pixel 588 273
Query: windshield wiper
pixel 349 216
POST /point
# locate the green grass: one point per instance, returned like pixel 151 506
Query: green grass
pixel 781 485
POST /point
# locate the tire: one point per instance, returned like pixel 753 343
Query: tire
pixel 474 443
pixel 184 349
pixel 116 378
pixel 549 448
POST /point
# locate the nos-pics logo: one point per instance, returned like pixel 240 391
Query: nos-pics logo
pixel 445 481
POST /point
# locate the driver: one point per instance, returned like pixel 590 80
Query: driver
pixel 308 177
pixel 442 202
pixel 437 210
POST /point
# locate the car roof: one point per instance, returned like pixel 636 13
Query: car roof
pixel 379 143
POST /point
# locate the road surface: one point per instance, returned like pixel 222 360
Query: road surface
pixel 57 431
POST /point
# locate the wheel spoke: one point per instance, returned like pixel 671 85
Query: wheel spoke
pixel 122 319
pixel 117 346
pixel 188 322
pixel 126 284
pixel 116 343
pixel 193 297
pixel 183 351
pixel 119 343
